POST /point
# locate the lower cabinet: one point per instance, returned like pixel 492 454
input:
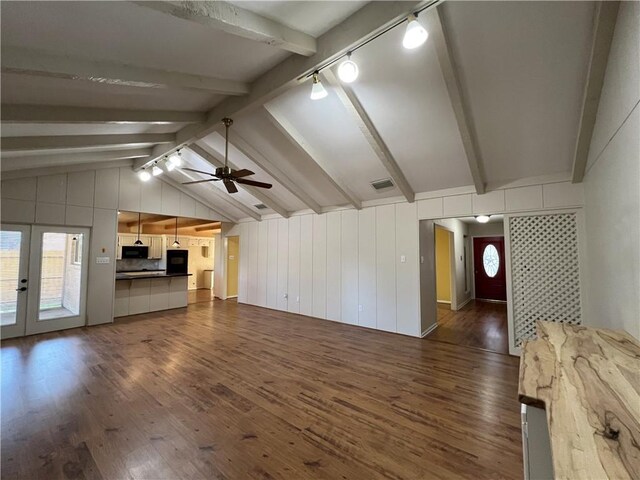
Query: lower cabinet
pixel 149 295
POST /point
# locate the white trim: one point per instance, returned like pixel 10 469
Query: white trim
pixel 443 301
pixel 429 330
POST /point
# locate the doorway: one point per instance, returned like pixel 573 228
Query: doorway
pixel 44 278
pixel 489 268
pixel 233 250
pixel 445 275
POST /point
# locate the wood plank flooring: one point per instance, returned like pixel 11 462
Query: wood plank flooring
pixel 478 325
pixel 226 391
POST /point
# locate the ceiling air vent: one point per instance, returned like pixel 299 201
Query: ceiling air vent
pixel 260 206
pixel 383 184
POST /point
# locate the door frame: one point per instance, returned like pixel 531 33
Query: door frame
pixel 33 325
pixel 473 260
pixel 453 291
pixel 18 329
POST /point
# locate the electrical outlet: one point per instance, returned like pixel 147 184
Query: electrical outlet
pixel 360 308
pixel 403 259
pixel 102 260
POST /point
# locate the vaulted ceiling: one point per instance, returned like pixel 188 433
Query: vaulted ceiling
pixel 494 95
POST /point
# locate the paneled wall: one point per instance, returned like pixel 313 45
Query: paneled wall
pixel 363 267
pixel 347 266
pixel 91 199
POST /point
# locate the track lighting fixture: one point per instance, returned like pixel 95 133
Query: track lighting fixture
pixel 156 170
pixel 144 175
pixel 170 166
pixel 415 35
pixel 348 70
pixel 482 218
pixel 175 159
pixel 317 90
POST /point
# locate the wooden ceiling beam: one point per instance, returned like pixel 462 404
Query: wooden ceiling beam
pixel 207 227
pixel 604 22
pixel 147 220
pixel 274 172
pixel 237 21
pixel 82 142
pixel 364 24
pixel 12 113
pixel 295 137
pixel 189 223
pixel 218 161
pixel 23 61
pixel 459 103
pixel 358 114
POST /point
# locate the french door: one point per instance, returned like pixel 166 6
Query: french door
pixel 44 278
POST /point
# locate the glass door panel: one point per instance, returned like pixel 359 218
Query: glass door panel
pixel 14 258
pixel 57 301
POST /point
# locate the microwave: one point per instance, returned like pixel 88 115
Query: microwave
pixel 135 251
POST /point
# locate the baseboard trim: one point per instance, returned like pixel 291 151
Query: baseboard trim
pixel 232 296
pixel 444 301
pixel 429 330
pixel 464 303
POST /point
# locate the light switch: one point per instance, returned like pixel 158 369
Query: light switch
pixel 102 260
pixel 360 308
pixel 403 259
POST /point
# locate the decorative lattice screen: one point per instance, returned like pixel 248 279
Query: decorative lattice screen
pixel 545 274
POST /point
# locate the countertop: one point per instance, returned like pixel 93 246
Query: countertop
pixel 588 381
pixel 158 274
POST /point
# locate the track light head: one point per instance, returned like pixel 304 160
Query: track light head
pixel 175 159
pixel 144 175
pixel 317 90
pixel 415 35
pixel 156 170
pixel 348 70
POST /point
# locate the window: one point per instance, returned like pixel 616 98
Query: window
pixel 490 260
pixel 76 247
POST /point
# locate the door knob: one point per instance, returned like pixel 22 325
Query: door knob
pixel 21 289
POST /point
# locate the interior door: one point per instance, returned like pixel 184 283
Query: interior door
pixel 14 269
pixel 489 268
pixel 58 278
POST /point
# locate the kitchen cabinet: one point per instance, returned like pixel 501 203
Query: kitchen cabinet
pixel 155 246
pixel 139 296
pixel 159 294
pixel 142 295
pixel 178 296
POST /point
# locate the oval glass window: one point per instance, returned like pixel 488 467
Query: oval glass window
pixel 490 260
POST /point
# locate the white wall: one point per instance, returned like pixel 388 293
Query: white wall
pixel 351 270
pixel 491 229
pixel 612 185
pixel 92 198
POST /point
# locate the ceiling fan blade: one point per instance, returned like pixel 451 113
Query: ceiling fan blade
pixel 253 183
pixel 202 181
pixel 241 173
pixel 231 187
pixel 198 171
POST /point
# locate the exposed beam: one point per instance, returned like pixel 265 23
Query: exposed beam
pixel 42 161
pixel 207 227
pixel 177 185
pixel 364 24
pixel 189 223
pixel 86 142
pixel 223 196
pixel 35 62
pixel 295 137
pixel 147 220
pixel 350 101
pixel 460 105
pixel 604 22
pixel 274 172
pixel 54 114
pixel 218 161
pixel 237 21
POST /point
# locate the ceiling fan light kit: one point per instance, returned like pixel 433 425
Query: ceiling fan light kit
pixel 226 174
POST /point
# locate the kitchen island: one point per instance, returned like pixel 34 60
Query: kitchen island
pixel 149 291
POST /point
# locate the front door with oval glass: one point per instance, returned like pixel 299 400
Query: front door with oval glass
pixel 489 268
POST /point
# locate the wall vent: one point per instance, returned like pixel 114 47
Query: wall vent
pixel 260 206
pixel 383 184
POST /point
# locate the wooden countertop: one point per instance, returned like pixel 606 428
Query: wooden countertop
pixel 588 381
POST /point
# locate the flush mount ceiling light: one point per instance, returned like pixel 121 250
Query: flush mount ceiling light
pixel 317 90
pixel 482 218
pixel 144 175
pixel 156 170
pixel 415 35
pixel 348 70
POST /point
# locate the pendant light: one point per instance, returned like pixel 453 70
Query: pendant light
pixel 317 90
pixel 348 70
pixel 415 35
pixel 176 243
pixel 138 241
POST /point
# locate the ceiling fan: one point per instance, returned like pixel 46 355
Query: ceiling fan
pixel 226 174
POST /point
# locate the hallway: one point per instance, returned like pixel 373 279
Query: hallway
pixel 477 325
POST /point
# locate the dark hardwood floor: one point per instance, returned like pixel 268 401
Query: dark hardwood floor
pixel 227 391
pixel 478 325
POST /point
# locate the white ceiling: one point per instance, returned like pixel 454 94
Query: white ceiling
pixel 522 68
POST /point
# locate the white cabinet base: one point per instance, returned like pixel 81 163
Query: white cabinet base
pixel 536 444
